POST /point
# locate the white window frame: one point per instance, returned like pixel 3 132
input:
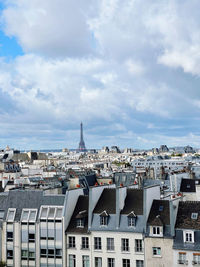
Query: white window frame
pixel 29 212
pixel 103 220
pixel 157 249
pixel 186 236
pixel 48 209
pixel 158 231
pixel 11 210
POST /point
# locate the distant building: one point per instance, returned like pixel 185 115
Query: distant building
pixel 163 148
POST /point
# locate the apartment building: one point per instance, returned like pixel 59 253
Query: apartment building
pixel 186 245
pixel 113 233
pixel 32 229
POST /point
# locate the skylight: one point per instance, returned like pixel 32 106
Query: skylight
pixel 161 208
pixel 194 216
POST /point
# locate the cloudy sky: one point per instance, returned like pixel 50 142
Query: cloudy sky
pixel 130 70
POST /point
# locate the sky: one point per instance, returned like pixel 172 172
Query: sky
pixel 129 70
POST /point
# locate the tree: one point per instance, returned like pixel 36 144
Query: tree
pixel 2 264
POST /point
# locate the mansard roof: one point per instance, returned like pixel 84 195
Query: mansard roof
pixel 184 216
pixel 159 213
pixel 107 201
pixel 188 185
pixel 133 202
pixel 80 209
pixel 30 199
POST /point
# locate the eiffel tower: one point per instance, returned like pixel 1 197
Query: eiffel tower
pixel 81 147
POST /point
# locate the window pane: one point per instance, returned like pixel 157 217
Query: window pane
pixel 32 216
pixel 25 215
pixel 59 213
pixel 51 213
pixel 44 212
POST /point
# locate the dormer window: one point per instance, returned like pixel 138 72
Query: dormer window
pixel 156 230
pixel 194 216
pixel 104 218
pixel 80 223
pixel 188 236
pixel 80 218
pixel 132 219
pixel 11 215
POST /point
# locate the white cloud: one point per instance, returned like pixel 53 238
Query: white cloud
pixel 53 28
pixel 103 61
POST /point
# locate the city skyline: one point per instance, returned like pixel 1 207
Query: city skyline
pixel 130 72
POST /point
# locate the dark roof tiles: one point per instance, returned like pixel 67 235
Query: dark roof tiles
pixel 107 201
pixel 185 210
pixel 159 213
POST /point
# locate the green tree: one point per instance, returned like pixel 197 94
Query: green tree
pixel 2 264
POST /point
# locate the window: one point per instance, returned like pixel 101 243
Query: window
pixel 51 253
pixel 161 208
pixel 10 236
pixel 182 258
pixel 86 261
pixel 80 223
pixel 126 263
pixel 131 221
pixel 24 254
pixel 58 253
pixel 72 260
pixel 139 263
pixel 85 243
pixel 59 213
pixel 97 243
pixel 111 262
pixel 2 214
pixel 157 230
pixel 103 220
pixel 125 244
pixel 196 258
pixel 43 253
pixel 11 215
pixel 138 245
pixel 51 213
pixel 31 255
pixel 156 251
pixel 98 262
pixel 32 215
pixel 44 213
pixel 28 215
pixel 31 238
pixel 110 243
pixel 188 236
pixel 9 254
pixel 194 216
pixel 25 215
pixel 72 243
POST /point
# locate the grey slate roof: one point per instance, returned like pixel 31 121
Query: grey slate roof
pixel 185 210
pixel 107 202
pixel 21 199
pixel 133 202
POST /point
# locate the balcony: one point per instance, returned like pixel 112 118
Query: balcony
pixel 195 262
pixel 84 247
pixel 139 250
pixel 73 246
pixel 125 249
pixel 184 262
pixel 110 248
